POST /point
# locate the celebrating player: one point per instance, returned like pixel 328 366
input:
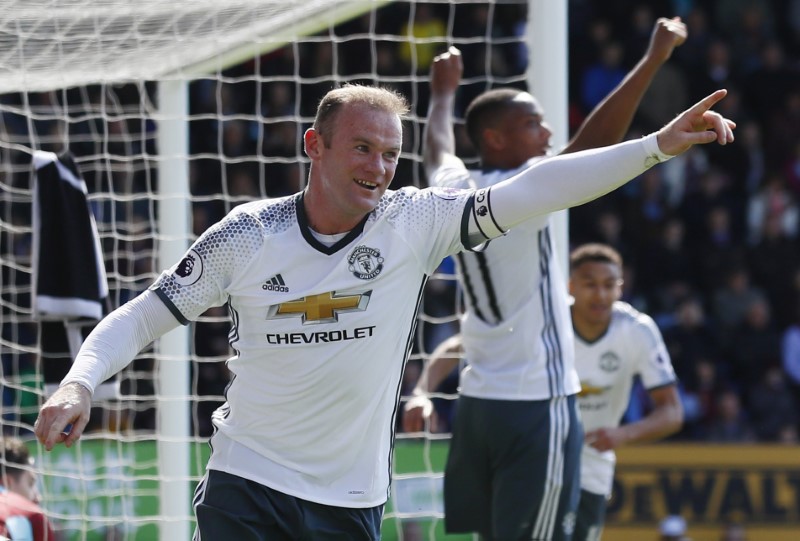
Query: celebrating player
pixel 613 343
pixel 518 480
pixel 303 442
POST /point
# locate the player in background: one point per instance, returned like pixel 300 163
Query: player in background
pixel 20 514
pixel 512 469
pixel 614 343
pixel 303 443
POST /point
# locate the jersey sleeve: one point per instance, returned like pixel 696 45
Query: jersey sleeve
pixel 201 278
pixel 451 174
pixel 437 222
pixel 654 363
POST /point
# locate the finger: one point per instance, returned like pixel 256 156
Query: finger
pixel 708 102
pixel 55 434
pixel 677 27
pixel 731 125
pixel 73 433
pixel 59 429
pixel 722 126
pixel 40 429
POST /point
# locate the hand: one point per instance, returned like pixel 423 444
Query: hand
pixel 417 412
pixel 667 34
pixel 69 405
pixel 697 125
pixel 446 71
pixel 604 439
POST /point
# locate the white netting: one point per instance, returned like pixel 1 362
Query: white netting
pixel 49 44
pixel 84 76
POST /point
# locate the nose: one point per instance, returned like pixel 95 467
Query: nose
pixel 376 165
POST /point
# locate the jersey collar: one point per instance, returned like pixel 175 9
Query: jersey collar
pixel 302 221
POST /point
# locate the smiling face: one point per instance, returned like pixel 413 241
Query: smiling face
pixel 352 166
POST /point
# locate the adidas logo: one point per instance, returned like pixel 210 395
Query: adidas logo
pixel 275 283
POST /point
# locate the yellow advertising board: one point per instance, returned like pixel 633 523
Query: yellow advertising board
pixel 708 485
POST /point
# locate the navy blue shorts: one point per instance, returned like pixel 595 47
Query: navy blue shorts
pixel 513 469
pixel 231 507
pixel 591 517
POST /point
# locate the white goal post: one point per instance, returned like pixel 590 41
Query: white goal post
pixel 176 111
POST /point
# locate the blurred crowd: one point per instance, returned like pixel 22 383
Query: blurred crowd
pixel 711 240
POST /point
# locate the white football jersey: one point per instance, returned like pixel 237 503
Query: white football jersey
pixel 517 329
pixel 632 345
pixel 320 336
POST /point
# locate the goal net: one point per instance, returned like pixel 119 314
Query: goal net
pixel 174 112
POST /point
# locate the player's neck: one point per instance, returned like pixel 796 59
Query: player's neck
pixel 324 220
pixel 588 331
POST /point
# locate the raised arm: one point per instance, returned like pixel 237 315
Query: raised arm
pixel 109 348
pixel 569 180
pixel 609 121
pixel 439 141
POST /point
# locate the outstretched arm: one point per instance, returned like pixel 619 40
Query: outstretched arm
pixel 665 419
pixel 109 348
pixel 440 147
pixel 420 408
pixel 569 180
pixel 610 120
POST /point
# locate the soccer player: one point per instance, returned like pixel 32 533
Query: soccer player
pixel 613 343
pixel 20 514
pixel 512 469
pixel 303 443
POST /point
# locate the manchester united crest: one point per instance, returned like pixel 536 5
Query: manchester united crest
pixel 365 263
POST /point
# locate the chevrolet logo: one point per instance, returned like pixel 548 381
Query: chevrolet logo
pixel 591 390
pixel 324 308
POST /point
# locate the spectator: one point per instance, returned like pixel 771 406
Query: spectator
pixel 666 268
pixel 790 354
pixel 601 77
pixel 646 210
pixel 773 201
pixel 733 531
pixel 754 345
pixel 772 406
pixel 731 425
pixel 690 339
pixel 732 299
pixel 700 400
pixel 672 528
pixel 20 514
pixel 421 32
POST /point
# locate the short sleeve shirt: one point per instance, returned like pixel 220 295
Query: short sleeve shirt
pixel 631 346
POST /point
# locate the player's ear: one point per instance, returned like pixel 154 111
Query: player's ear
pixel 493 139
pixel 311 142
